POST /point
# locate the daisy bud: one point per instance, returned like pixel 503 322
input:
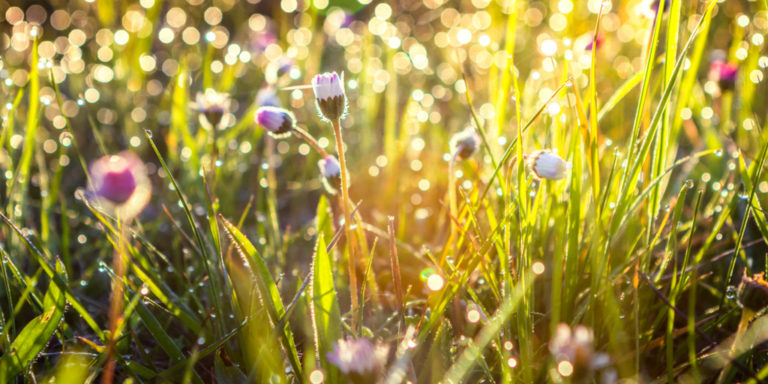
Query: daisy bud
pixel 573 350
pixel 547 165
pixel 724 74
pixel 465 143
pixel 359 359
pixel 649 8
pixel 753 292
pixel 212 106
pixel 277 121
pixel 596 42
pixel 331 171
pixel 120 184
pixel 329 95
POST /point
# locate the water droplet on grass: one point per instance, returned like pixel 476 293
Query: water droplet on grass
pixel 730 292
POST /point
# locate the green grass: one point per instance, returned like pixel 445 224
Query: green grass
pixel 238 268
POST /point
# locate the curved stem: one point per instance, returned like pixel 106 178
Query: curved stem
pixel 310 140
pixel 347 219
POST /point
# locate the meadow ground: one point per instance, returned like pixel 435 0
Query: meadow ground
pixel 360 191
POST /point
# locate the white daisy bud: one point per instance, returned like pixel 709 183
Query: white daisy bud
pixel 330 169
pixel 212 106
pixel 359 359
pixel 277 121
pixel 465 143
pixel 547 165
pixel 329 95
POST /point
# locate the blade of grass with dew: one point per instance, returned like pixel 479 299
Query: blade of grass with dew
pixel 747 174
pixel 268 290
pixel 677 286
pixel 690 80
pixel 205 258
pixel 743 226
pixel 502 95
pixel 22 173
pixel 35 335
pixel 56 279
pixel 513 145
pixel 630 178
pixel 470 355
pixel 594 132
pixel 179 124
pixel 148 276
pixel 574 220
pixel 660 152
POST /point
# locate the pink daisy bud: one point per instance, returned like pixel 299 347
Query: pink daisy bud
pixel 330 169
pixel 596 42
pixel 120 184
pixel 212 107
pixel 329 95
pixel 465 143
pixel 724 74
pixel 277 121
pixel 547 165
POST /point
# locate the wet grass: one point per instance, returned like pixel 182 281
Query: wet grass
pixel 242 267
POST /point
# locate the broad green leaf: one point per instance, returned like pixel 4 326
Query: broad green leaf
pixel 267 289
pixel 325 306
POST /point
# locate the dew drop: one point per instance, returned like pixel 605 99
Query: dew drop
pixel 730 292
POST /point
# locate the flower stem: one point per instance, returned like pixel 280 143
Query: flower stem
pixel 347 219
pixel 310 140
pixel 116 304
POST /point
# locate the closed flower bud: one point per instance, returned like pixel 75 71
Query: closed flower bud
pixel 212 106
pixel 649 8
pixel 465 143
pixel 277 121
pixel 359 359
pixel 724 74
pixel 547 165
pixel 573 350
pixel 753 292
pixel 595 43
pixel 120 185
pixel 330 169
pixel 329 95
